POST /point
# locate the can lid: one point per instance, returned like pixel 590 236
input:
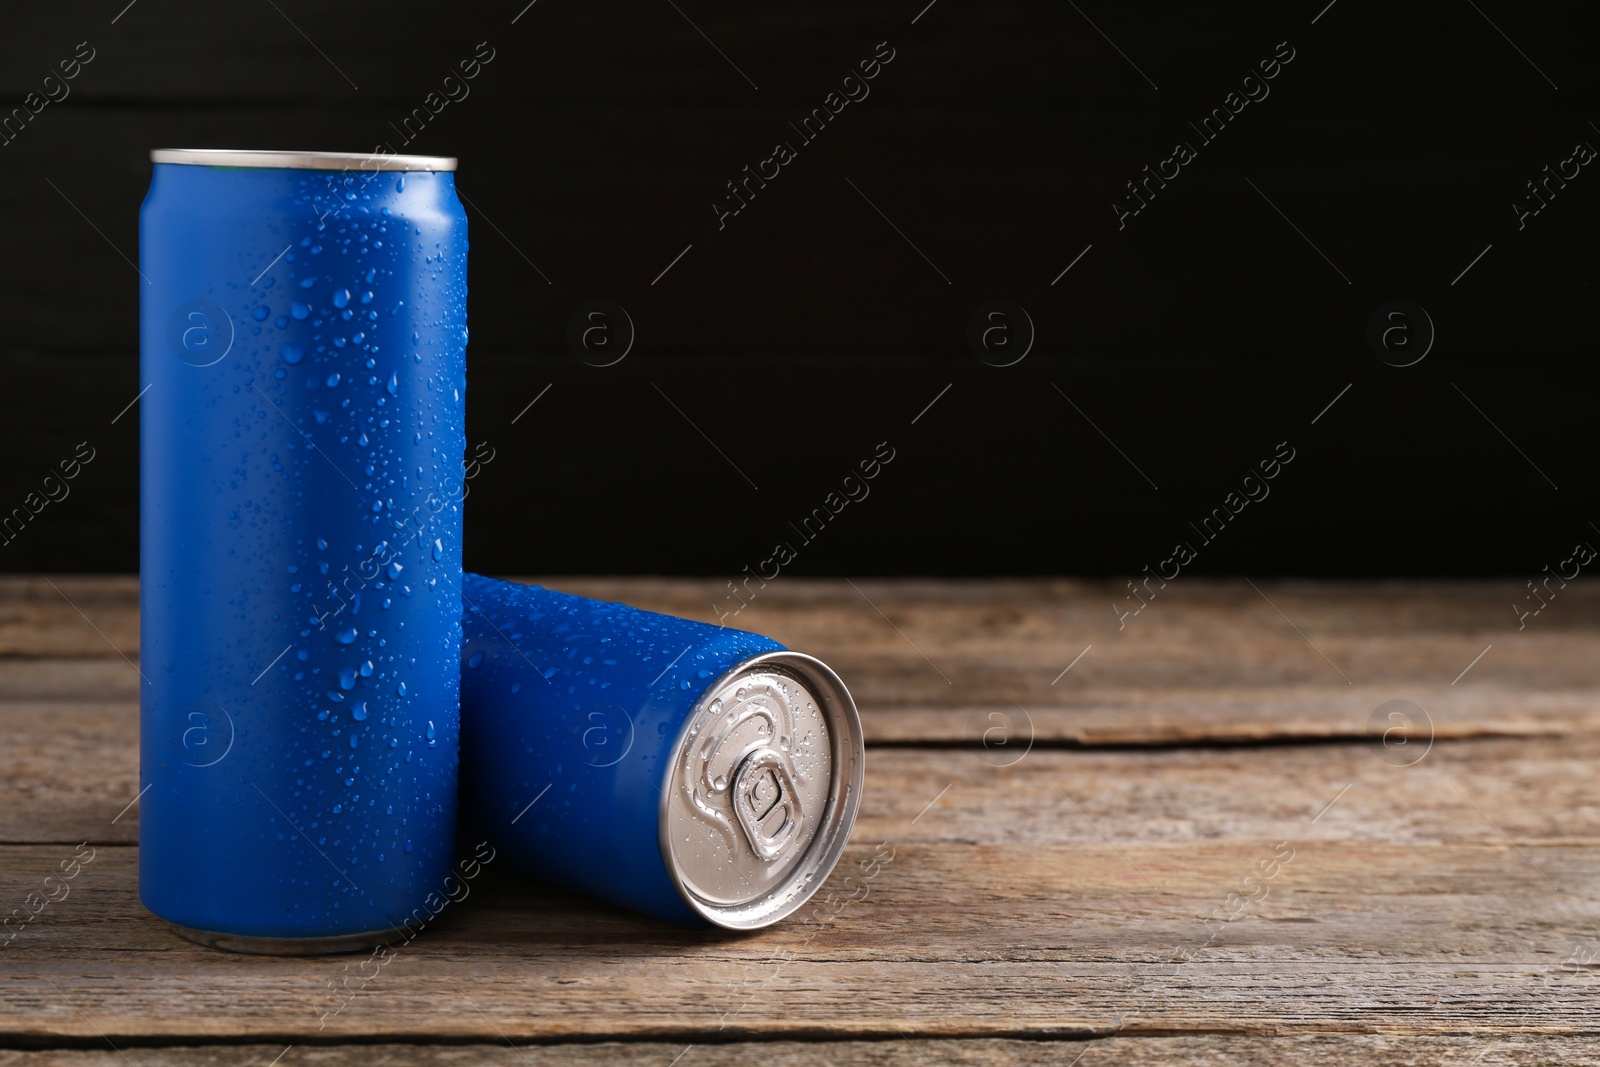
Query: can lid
pixel 228 157
pixel 763 789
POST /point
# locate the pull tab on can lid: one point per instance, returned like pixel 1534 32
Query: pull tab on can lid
pixel 763 790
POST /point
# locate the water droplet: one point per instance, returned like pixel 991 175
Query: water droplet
pixel 366 669
pixel 395 567
pixel 358 712
pixel 475 660
pixel 401 689
pixel 394 384
pixel 438 549
pixel 432 738
pixel 341 298
pixel 347 637
pixel 291 353
pixel 260 313
pixel 720 782
pixel 408 846
pixel 347 678
pixel 299 310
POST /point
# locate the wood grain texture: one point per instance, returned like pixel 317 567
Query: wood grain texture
pixel 1403 908
pixel 1212 663
pixel 70 773
pixel 1195 632
pixel 1190 880
pixel 956 940
pixel 1533 1050
pixel 1207 659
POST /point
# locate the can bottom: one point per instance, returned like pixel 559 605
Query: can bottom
pixel 286 946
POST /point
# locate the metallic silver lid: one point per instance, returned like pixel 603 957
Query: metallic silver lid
pixel 227 157
pixel 763 790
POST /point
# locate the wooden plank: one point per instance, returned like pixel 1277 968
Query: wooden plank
pixel 950 941
pixel 71 680
pixel 1197 633
pixel 1063 895
pixel 1400 893
pixel 1207 661
pixel 1533 790
pixel 1134 716
pixel 1385 1050
pixel 71 770
pixel 70 616
pixel 72 724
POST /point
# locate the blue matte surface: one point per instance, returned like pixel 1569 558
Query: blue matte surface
pixel 574 705
pixel 300 552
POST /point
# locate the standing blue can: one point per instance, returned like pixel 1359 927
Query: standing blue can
pixel 302 352
pixel 697 773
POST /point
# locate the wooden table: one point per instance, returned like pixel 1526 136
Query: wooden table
pixel 1193 846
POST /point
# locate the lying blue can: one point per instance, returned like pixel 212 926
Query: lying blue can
pixel 697 773
pixel 302 349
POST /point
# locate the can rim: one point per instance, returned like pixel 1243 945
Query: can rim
pixel 822 855
pixel 293 160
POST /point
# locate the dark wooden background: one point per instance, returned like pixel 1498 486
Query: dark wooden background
pixel 809 330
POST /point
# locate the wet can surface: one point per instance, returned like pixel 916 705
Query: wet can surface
pixel 302 351
pixel 697 773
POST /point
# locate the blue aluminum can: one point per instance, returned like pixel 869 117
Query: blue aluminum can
pixel 697 773
pixel 302 348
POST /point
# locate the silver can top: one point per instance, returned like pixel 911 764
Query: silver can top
pixel 763 790
pixel 228 157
